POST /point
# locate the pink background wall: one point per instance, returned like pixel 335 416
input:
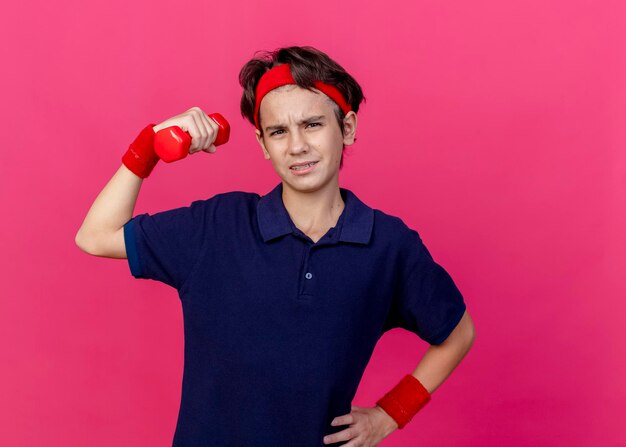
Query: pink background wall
pixel 496 129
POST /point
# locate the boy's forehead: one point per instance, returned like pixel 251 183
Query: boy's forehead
pixel 292 102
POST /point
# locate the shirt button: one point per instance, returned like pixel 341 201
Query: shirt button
pixel 308 275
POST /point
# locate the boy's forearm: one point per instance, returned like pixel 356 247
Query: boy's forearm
pixel 440 360
pixel 113 207
pixel 437 364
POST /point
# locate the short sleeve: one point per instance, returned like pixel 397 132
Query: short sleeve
pixel 165 246
pixel 427 301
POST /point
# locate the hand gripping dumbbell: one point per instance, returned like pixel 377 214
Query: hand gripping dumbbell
pixel 172 143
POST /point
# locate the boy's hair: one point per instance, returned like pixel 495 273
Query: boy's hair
pixel 308 65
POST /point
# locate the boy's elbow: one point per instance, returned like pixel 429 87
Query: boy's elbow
pixel 466 331
pixel 84 243
pixel 102 244
pixel 472 337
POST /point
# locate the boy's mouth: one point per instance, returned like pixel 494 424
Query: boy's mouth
pixel 301 167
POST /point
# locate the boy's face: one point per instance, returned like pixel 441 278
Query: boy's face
pixel 290 136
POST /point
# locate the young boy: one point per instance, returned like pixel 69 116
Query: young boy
pixel 285 295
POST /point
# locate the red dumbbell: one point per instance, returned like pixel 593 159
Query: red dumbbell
pixel 172 143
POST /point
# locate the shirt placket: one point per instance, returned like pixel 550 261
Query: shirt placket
pixel 307 274
pixel 308 277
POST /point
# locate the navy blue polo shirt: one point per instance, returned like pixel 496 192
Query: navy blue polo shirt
pixel 279 329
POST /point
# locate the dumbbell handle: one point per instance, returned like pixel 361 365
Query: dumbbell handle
pixel 172 143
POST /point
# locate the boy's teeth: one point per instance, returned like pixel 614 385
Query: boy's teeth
pixel 303 166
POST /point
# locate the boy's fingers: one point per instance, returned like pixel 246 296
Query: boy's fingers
pixel 210 150
pixel 199 137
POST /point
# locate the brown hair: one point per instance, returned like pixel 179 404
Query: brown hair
pixel 307 64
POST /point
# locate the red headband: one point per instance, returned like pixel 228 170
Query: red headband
pixel 281 75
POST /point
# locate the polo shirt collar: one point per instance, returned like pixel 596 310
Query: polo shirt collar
pixel 274 220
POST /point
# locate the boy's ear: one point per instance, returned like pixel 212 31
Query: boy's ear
pixel 349 127
pixel 266 154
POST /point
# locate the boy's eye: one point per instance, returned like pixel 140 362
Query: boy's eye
pixel 280 130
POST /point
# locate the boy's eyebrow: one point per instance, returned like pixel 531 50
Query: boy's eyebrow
pixel 304 121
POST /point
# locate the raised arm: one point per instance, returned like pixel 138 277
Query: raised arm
pixel 102 231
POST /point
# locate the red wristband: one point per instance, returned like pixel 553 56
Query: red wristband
pixel 404 400
pixel 140 157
